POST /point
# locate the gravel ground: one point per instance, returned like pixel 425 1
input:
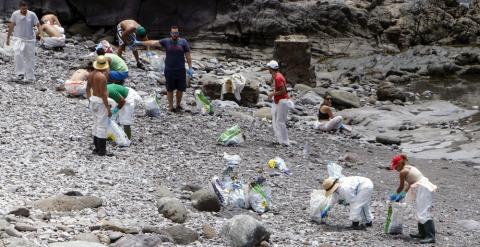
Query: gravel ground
pixel 43 131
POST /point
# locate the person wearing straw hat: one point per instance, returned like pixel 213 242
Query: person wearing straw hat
pixel 356 192
pixel 97 94
pixel 417 188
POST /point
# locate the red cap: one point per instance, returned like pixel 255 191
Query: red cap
pixel 396 160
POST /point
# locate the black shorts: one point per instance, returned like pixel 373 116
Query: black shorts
pixel 176 80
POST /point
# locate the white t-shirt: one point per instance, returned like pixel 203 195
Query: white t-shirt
pixel 24 24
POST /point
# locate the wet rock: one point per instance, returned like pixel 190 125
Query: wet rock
pixel 173 209
pixel 182 235
pixel 208 231
pixel 24 212
pixel 344 98
pixel 388 91
pixel 76 244
pixel 467 58
pixel 68 203
pixel 441 70
pixel 205 200
pixel 142 241
pixel 293 53
pixel 244 231
pixel 311 98
pixel 388 140
pixel 264 112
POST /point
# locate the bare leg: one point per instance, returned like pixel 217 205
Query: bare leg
pixel 179 96
pixel 170 100
pixel 120 51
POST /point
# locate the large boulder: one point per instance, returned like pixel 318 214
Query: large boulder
pixel 344 99
pixel 311 98
pixel 68 203
pixel 294 56
pixel 173 209
pixel 206 200
pixel 388 91
pixel 244 231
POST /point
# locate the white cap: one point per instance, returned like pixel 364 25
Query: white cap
pixel 272 64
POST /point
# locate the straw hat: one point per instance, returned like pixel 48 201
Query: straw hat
pixel 101 63
pixel 330 185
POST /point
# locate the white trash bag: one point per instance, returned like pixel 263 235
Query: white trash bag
pixel 318 202
pixel 233 85
pixel 334 170
pixel 259 199
pixel 116 134
pixel 152 107
pixel 394 223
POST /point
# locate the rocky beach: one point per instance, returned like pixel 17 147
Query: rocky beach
pixel 415 92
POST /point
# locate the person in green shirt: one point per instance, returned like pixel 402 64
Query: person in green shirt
pixel 118 68
pixel 125 98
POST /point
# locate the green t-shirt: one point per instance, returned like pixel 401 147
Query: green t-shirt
pixel 118 64
pixel 116 92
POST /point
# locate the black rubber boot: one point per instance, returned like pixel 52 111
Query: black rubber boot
pixel 369 224
pixel 429 233
pixel 95 144
pixel 356 226
pixel 102 147
pixel 421 232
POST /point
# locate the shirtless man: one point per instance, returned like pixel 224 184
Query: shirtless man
pixel 128 31
pixel 97 94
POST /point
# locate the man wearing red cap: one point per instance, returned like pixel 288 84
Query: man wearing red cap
pixel 419 189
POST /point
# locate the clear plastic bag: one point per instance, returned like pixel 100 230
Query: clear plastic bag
pixel 318 202
pixel 203 104
pixel 157 62
pixel 152 107
pixel 394 222
pixel 279 163
pixel 334 170
pixel 259 198
pixel 116 134
pixel 232 136
pixel 238 195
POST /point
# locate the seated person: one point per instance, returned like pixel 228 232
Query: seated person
pixel 327 120
pixel 53 33
pixel 77 84
pixel 118 67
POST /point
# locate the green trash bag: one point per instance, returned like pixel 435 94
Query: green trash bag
pixel 203 104
pixel 232 136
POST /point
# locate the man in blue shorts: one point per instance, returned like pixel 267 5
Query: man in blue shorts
pixel 177 51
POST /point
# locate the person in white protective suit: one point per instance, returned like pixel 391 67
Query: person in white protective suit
pixel 418 188
pixel 356 192
pixel 21 24
pixel 125 98
pixel 281 103
pixel 97 95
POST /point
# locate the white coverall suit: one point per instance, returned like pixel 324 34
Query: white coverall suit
pixel 422 193
pixel 356 191
pixel 279 120
pixel 100 117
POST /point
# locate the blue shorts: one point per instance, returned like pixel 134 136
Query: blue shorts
pixel 118 76
pixel 176 80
